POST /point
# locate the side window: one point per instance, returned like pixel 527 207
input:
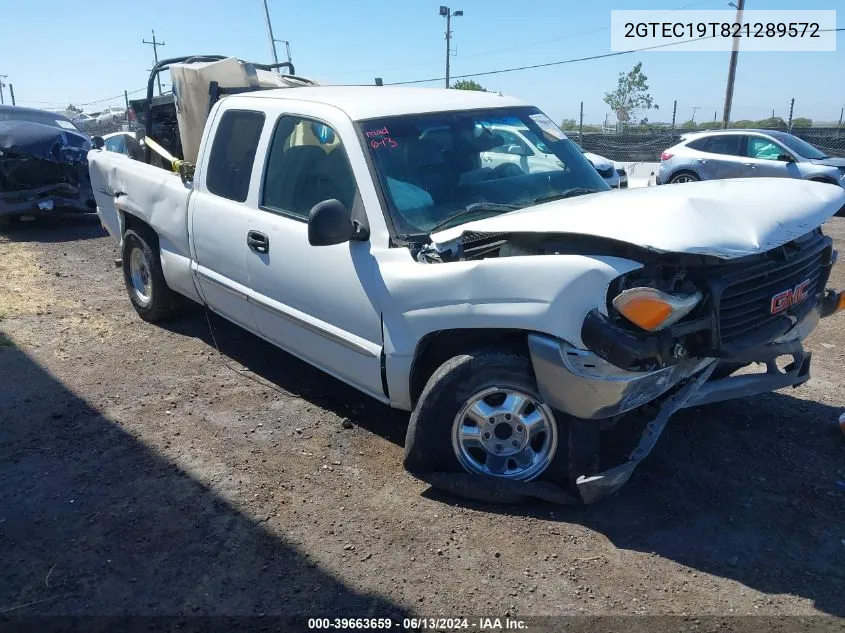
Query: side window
pixel 306 164
pixel 233 153
pixel 763 148
pixel 725 144
pixel 116 144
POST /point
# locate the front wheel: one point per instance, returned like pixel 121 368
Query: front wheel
pixel 481 413
pixel 152 299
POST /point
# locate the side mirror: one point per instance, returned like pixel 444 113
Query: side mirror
pixel 329 223
pixel 98 142
pixel 788 158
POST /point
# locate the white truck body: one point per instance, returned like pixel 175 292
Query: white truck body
pixel 361 310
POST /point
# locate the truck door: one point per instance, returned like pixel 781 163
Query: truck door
pixel 218 218
pixel 312 300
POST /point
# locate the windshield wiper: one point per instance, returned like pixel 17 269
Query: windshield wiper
pixel 575 191
pixel 475 207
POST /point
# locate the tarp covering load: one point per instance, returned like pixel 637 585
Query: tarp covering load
pixel 190 90
pixel 35 155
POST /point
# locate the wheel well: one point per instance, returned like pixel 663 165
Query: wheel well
pixel 684 170
pixel 139 226
pixel 437 347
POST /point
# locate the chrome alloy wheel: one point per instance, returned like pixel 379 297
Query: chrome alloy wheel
pixel 140 276
pixel 505 433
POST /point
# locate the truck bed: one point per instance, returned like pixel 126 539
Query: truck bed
pixel 154 195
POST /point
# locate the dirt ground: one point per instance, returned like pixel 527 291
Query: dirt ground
pixel 143 472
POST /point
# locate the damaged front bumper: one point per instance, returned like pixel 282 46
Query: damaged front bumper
pixel 48 199
pixel 583 385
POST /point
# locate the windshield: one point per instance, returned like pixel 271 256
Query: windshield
pixel 800 147
pixel 443 169
pixel 44 118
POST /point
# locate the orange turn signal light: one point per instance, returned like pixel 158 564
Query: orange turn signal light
pixel 841 303
pixel 653 309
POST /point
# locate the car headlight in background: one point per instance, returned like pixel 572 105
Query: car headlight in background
pixel 653 309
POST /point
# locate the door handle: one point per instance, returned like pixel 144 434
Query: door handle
pixel 752 165
pixel 258 242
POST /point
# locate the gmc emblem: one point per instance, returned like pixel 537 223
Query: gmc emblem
pixel 788 298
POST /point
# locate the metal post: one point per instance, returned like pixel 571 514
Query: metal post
pixel 155 46
pixel 791 107
pixel 448 42
pixel 2 85
pixel 729 91
pixel 270 33
pixel 841 112
pixel 715 116
pixel 581 125
pixel 12 92
pixel 674 114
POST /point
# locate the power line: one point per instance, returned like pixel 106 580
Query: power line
pixel 517 47
pixel 565 61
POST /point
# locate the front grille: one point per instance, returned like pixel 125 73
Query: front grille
pixel 745 303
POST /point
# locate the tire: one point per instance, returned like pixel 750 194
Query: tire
pixel 682 177
pixel 152 299
pixel 433 445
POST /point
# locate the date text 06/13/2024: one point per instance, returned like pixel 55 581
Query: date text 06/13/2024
pixel 484 624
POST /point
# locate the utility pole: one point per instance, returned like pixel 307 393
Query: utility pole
pixel 447 13
pixel 841 113
pixel 694 109
pixel 12 92
pixel 791 108
pixel 2 85
pixel 270 33
pixel 155 46
pixel 729 91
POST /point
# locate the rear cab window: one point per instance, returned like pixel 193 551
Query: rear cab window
pixel 233 154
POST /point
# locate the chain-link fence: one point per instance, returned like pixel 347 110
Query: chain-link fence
pixel 647 145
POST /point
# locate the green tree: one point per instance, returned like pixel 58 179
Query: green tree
pixel 569 124
pixel 631 95
pixel 689 125
pixel 802 122
pixel 468 84
pixel 772 123
pixel 73 108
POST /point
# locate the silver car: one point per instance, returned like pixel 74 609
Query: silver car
pixel 721 154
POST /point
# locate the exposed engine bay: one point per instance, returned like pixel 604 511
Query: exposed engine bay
pixel 43 167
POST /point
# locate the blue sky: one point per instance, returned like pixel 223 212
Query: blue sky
pixel 57 52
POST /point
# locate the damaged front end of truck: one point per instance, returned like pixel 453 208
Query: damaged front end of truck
pixel 694 322
pixel 43 169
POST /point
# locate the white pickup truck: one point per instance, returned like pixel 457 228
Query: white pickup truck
pixel 515 314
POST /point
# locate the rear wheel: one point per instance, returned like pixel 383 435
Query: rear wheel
pixel 481 413
pixel 152 299
pixel 683 176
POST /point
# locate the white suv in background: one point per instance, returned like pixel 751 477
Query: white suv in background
pixel 523 148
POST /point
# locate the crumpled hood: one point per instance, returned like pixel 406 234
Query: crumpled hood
pixel 723 218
